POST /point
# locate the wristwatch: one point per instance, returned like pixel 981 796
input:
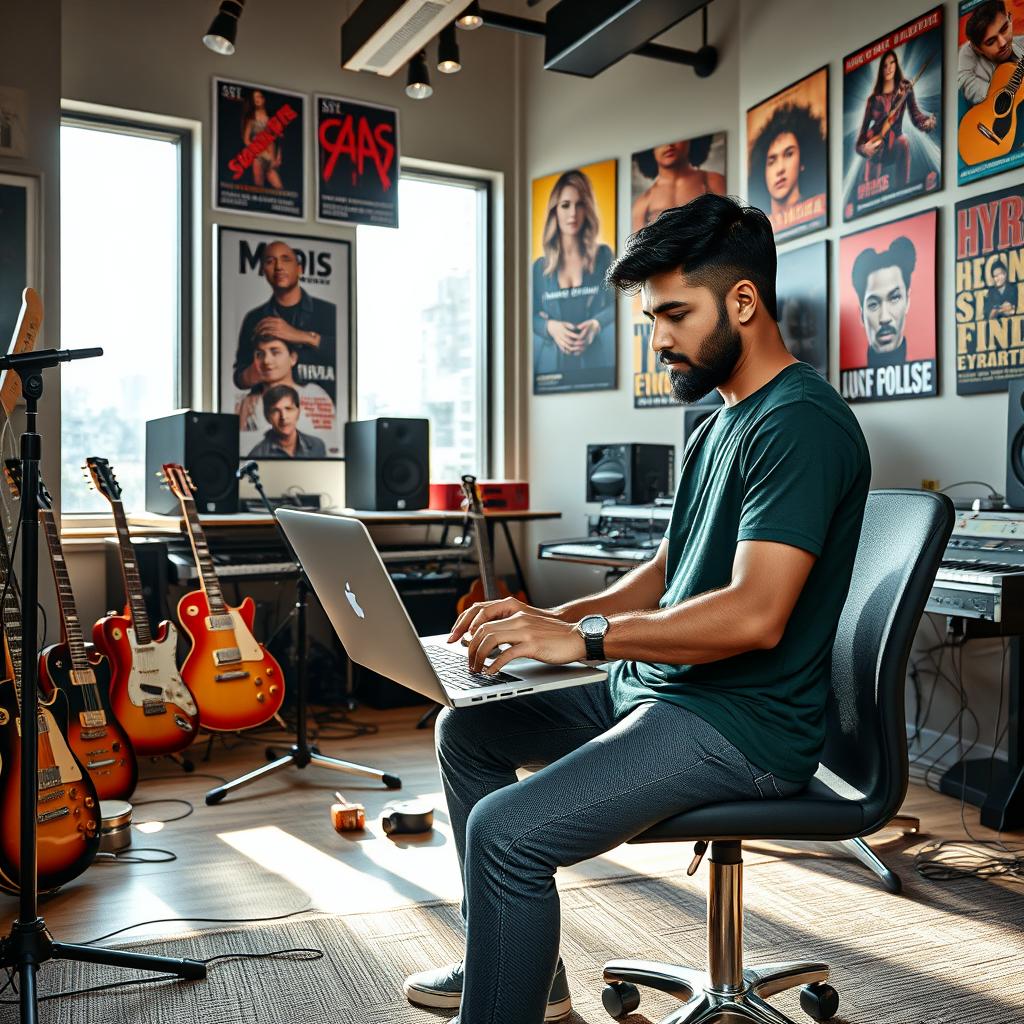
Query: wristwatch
pixel 593 628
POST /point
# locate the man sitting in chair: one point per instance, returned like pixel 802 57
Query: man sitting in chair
pixel 719 648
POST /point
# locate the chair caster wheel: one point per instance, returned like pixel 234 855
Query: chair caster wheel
pixel 620 999
pixel 819 1001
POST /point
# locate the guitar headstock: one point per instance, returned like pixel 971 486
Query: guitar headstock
pixel 179 481
pixel 474 503
pixel 12 474
pixel 103 479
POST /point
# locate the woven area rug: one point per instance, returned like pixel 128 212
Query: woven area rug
pixel 946 953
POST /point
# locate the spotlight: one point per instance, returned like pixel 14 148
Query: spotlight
pixel 470 18
pixel 418 83
pixel 221 35
pixel 448 52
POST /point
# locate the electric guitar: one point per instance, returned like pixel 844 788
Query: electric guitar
pixel 147 694
pixel 881 130
pixel 68 815
pixel 989 128
pixel 81 673
pixel 236 681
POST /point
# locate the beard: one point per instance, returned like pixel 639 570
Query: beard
pixel 716 359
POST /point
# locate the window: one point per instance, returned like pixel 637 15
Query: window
pixel 124 247
pixel 423 316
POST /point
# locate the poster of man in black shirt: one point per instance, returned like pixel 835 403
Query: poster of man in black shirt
pixel 283 320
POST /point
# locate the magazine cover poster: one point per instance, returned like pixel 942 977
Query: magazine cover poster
pixel 989 291
pixel 357 162
pixel 573 311
pixel 663 177
pixel 801 291
pixel 258 149
pixel 283 342
pixel 892 117
pixel 787 157
pixel 989 91
pixel 887 319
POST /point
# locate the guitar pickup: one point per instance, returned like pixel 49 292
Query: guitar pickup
pixel 227 656
pixel 226 677
pixel 92 719
pixel 82 676
pixel 216 623
pixel 49 777
pixel 152 688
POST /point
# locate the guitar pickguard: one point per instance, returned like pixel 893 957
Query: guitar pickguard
pixel 155 665
pixel 246 643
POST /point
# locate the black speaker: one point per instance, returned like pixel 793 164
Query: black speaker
pixel 1015 444
pixel 151 561
pixel 387 464
pixel 630 474
pixel 206 444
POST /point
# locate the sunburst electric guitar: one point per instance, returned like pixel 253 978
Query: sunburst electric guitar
pixel 989 128
pixel 147 693
pixel 236 681
pixel 81 673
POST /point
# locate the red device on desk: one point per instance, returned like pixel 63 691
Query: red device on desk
pixel 495 495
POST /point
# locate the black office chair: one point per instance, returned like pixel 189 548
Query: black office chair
pixel 859 786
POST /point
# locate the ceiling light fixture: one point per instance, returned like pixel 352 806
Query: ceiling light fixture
pixel 448 52
pixel 418 83
pixel 470 18
pixel 220 37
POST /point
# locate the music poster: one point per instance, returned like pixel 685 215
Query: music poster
pixel 989 88
pixel 663 177
pixel 801 290
pixel 259 155
pixel 283 341
pixel 357 162
pixel 989 291
pixel 887 311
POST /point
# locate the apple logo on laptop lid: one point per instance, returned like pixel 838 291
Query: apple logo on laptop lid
pixel 352 601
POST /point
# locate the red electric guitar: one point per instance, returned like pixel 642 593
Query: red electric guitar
pixel 236 681
pixel 147 693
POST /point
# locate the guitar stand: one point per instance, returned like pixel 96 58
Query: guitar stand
pixel 300 753
pixel 29 944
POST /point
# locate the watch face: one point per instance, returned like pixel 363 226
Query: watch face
pixel 594 625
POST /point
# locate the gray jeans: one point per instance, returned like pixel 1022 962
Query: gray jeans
pixel 605 780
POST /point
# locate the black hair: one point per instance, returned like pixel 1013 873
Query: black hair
pixel 998 265
pixel 797 120
pixel 714 240
pixel 901 253
pixel 700 148
pixel 898 79
pixel 274 395
pixel 981 17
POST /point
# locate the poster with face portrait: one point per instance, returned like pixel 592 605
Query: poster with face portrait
pixel 887 319
pixel 801 291
pixel 573 311
pixel 989 291
pixel 989 91
pixel 357 162
pixel 283 341
pixel 663 177
pixel 787 157
pixel 259 156
pixel 892 117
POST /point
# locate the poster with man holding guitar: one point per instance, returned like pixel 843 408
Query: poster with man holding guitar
pixel 892 117
pixel 990 88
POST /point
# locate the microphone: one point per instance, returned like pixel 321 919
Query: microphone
pixel 248 469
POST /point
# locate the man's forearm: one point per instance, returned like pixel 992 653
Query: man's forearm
pixel 638 590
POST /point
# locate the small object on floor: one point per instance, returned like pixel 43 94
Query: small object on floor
pixel 115 825
pixel 346 817
pixel 408 816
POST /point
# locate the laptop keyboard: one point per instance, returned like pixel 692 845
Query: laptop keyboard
pixel 453 669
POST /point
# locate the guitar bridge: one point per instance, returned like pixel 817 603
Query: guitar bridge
pixel 57 812
pixel 226 677
pixel 989 134
pixel 227 656
pixel 154 707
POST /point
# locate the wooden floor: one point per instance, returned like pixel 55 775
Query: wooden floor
pixel 270 848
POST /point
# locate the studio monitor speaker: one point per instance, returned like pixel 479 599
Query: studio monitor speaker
pixel 206 444
pixel 630 474
pixel 1015 445
pixel 387 464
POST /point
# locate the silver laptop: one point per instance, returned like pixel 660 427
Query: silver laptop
pixel 356 591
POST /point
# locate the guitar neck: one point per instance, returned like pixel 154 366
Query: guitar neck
pixel 65 595
pixel 204 561
pixel 485 557
pixel 130 575
pixel 10 612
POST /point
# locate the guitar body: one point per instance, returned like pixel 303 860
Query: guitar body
pixel 147 694
pixel 68 828
pixel 235 680
pixel 988 129
pixel 476 593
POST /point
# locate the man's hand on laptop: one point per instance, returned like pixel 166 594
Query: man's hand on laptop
pixel 489 611
pixel 532 633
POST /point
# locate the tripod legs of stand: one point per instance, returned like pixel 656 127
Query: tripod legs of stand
pixel 428 717
pixel 300 758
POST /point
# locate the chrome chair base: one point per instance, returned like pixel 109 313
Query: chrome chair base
pixel 702 1004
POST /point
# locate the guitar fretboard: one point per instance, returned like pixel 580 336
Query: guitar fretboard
pixel 130 573
pixel 65 595
pixel 204 561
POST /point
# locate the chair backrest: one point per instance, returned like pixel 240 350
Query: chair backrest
pixel 902 541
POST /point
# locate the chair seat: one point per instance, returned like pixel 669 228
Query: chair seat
pixel 815 813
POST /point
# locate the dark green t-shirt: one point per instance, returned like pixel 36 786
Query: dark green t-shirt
pixel 787 464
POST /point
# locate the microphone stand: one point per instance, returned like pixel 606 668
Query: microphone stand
pixel 29 943
pixel 300 754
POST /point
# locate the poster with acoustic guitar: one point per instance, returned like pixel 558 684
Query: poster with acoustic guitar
pixel 990 88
